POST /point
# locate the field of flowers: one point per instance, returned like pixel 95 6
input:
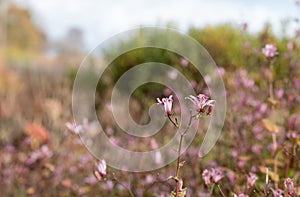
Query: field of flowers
pixel 257 153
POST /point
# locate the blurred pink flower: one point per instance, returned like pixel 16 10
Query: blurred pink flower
pixel 206 175
pixel 256 149
pixel 184 62
pixel 157 157
pixel 240 195
pixel 74 127
pixel 203 103
pixel 290 46
pixel 279 93
pixel 172 74
pixel 207 79
pixel 91 180
pixel 269 50
pixel 180 184
pixel 167 104
pixel 100 169
pixel 289 185
pixel 153 144
pixel 292 122
pixel 9 148
pixel 220 71
pixel 108 185
pixel 230 175
pixel 167 91
pixel 241 163
pixel 246 45
pixel 245 26
pixel 149 179
pixel 278 193
pixel 234 153
pixel 251 179
pixel 297 32
pixel 45 150
pixel 216 174
pixel 193 83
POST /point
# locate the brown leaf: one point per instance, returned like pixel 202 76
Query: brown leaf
pixel 30 191
pixel 37 133
pixel 66 182
pixel 270 126
pixel 273 102
pixel 50 167
pixel 272 175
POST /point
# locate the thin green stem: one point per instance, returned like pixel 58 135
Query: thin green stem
pixel 179 150
pixel 212 189
pixel 172 121
pixel 221 190
pixel 123 185
pixel 274 140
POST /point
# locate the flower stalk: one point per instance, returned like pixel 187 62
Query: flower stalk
pixel 270 51
pixel 203 106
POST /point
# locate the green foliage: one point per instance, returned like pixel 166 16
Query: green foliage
pixel 224 43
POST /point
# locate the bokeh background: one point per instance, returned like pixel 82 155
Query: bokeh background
pixel 44 42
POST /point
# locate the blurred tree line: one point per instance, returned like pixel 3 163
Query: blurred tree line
pixel 23 37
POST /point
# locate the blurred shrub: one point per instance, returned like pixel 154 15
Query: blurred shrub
pixel 231 46
pixel 23 37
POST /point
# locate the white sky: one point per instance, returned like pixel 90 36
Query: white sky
pixel 100 19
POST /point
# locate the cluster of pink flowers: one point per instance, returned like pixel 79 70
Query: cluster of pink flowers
pixel 269 50
pixel 278 193
pixel 289 185
pixel 43 152
pixel 213 174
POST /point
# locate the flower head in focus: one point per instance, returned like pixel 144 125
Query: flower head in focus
pixel 167 104
pixel 289 185
pixel 269 50
pixel 203 104
pixel 100 170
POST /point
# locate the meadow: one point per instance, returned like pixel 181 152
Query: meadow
pixel 257 153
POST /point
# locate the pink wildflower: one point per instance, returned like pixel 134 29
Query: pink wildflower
pixel 289 185
pixel 100 169
pixel 269 50
pixel 251 179
pixel 167 104
pixel 216 174
pixel 206 175
pixel 74 127
pixel 203 103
